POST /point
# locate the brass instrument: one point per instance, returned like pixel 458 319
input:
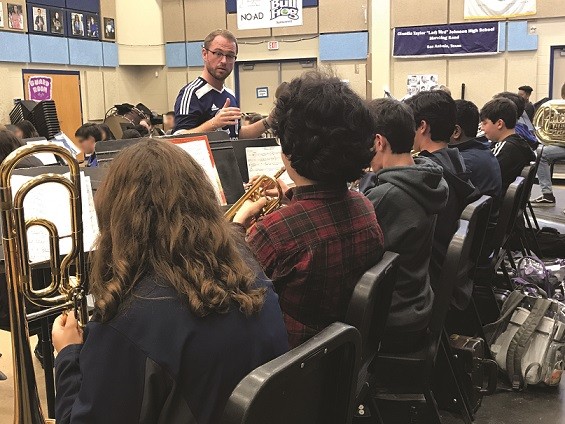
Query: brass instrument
pixel 549 123
pixel 258 190
pixel 63 293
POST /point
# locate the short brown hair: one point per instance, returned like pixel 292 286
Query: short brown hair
pixel 220 33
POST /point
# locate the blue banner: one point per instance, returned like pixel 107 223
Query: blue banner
pixel 446 40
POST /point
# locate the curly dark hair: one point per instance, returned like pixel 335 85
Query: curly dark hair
pixel 325 129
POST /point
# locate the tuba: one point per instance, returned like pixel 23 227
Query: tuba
pixel 64 291
pixel 549 123
pixel 258 190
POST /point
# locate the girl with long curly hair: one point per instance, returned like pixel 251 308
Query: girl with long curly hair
pixel 182 313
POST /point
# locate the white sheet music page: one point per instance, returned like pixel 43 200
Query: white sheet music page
pixel 51 201
pixel 265 160
pixel 201 153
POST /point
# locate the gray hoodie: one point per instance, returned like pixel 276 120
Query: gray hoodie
pixel 407 200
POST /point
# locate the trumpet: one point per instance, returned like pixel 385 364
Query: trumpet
pixel 64 291
pixel 258 190
pixel 549 123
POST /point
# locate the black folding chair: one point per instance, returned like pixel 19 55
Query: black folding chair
pixel 368 312
pixel 509 212
pixel 409 376
pixel 312 384
pixel 529 175
pixel 466 320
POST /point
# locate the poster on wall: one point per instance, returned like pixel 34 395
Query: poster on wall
pixel 57 18
pixel 39 19
pixel 1 15
pixel 92 26
pixel 109 29
pixel 446 40
pixel 256 14
pixel 417 83
pixel 77 24
pixel 488 9
pixel 40 88
pixel 15 16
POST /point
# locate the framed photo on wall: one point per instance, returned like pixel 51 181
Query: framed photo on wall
pixel 57 21
pixel 38 19
pixel 1 15
pixel 15 16
pixel 77 24
pixel 109 29
pixel 92 26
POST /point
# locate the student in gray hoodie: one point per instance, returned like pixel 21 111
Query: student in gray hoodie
pixel 407 194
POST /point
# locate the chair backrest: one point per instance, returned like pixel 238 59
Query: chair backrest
pixel 370 303
pixel 478 215
pixel 509 210
pixel 455 268
pixel 312 384
pixel 529 174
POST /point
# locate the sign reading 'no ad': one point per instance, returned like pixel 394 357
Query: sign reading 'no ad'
pixel 255 14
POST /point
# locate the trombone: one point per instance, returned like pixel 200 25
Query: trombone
pixel 258 190
pixel 64 291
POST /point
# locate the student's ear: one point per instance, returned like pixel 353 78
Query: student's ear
pixel 380 143
pixel 423 127
pixel 457 133
pixel 500 124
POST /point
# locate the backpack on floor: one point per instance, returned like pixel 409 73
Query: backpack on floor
pixel 528 340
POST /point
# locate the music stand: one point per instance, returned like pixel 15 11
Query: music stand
pixel 228 170
pixel 239 147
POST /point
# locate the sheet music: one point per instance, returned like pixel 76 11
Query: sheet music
pixel 44 158
pixel 51 201
pixel 62 140
pixel 200 152
pixel 265 160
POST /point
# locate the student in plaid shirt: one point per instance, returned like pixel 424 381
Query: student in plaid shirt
pixel 317 247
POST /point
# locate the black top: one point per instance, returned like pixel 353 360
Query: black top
pixel 407 200
pixel 461 193
pixel 155 362
pixel 513 154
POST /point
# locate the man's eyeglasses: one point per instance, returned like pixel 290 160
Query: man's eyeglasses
pixel 219 55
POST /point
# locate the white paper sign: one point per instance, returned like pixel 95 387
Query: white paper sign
pixel 265 161
pixel 200 152
pixel 255 14
pixel 480 9
pixel 51 201
pixel 418 83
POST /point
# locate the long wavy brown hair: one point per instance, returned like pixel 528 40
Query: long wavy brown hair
pixel 159 215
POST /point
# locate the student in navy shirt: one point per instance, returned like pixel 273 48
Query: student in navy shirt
pixel 205 104
pixel 88 135
pixel 183 312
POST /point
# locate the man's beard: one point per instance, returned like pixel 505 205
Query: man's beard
pixel 218 75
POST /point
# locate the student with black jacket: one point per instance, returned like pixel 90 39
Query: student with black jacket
pixel 435 117
pixel 183 312
pixel 498 119
pixel 407 193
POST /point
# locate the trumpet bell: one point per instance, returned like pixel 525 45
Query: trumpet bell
pixel 549 123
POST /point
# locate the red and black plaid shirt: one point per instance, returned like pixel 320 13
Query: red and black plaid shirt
pixel 315 250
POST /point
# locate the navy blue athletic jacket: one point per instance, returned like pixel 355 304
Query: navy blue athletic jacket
pixel 155 362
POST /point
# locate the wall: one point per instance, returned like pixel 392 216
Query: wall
pixel 184 32
pixel 100 88
pixel 484 75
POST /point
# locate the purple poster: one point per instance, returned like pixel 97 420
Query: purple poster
pixel 446 40
pixel 40 88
